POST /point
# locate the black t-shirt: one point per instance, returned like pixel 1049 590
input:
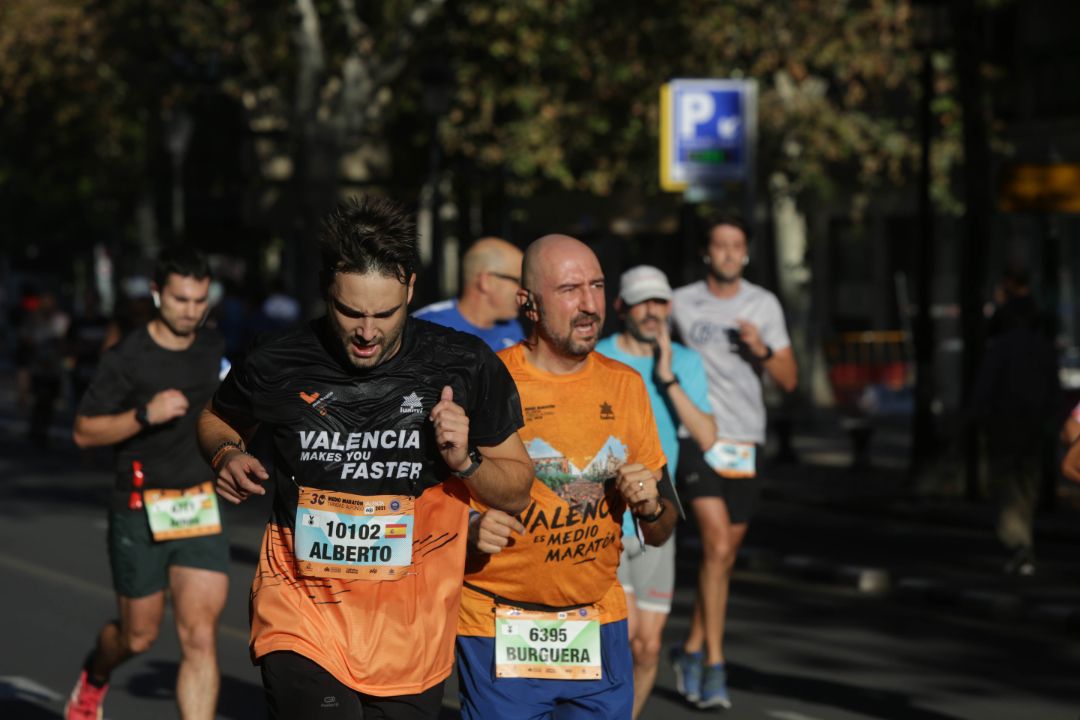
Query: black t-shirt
pixel 366 432
pixel 130 374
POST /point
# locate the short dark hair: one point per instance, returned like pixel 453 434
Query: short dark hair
pixel 365 234
pixel 182 260
pixel 724 218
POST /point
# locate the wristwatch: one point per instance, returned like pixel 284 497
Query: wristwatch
pixel 476 458
pixel 142 416
pixel 768 354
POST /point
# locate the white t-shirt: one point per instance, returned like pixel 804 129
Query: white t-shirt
pixel 734 387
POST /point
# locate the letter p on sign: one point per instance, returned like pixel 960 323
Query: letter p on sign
pixel 694 109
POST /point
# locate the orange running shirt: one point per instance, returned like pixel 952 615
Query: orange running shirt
pixel 353 435
pixel 579 429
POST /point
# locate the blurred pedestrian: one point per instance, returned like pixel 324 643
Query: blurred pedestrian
pixel 1015 400
pixel 43 335
pixel 679 395
pixel 739 330
pixel 86 342
pixel 165 529
pixel 487 308
pixel 542 630
pixel 382 427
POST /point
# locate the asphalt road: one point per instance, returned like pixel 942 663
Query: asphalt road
pixel 797 650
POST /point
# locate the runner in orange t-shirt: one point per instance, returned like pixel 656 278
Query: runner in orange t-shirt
pixel 543 618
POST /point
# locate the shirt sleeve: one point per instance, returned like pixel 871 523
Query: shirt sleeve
pixel 646 449
pixel 495 408
pixel 111 389
pixel 235 396
pixel 774 328
pixel 691 374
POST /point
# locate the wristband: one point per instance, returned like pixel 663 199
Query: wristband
pixel 220 451
pixel 768 354
pixel 656 515
pixel 663 386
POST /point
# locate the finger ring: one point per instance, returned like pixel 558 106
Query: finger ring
pixel 641 484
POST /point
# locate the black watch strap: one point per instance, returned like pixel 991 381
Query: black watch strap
pixel 476 458
pixel 661 505
pixel 663 386
pixel 142 416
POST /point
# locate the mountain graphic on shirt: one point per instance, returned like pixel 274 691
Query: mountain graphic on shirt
pixel 566 480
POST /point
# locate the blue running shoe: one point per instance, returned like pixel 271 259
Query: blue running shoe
pixel 714 688
pixel 687 668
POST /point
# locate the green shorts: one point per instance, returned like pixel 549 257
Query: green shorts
pixel 140 565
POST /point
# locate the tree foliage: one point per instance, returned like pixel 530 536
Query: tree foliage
pixel 546 92
pixel 566 91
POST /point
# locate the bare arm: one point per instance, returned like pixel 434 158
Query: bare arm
pixel 239 475
pixel 1070 432
pixel 701 425
pixel 782 369
pixel 1070 466
pixel 780 366
pixel 503 479
pixel 100 430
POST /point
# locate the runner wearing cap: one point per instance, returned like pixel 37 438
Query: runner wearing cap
pixel 678 393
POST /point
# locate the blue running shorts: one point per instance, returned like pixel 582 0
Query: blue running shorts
pixel 484 697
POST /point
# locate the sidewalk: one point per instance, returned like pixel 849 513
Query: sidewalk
pixel 873 530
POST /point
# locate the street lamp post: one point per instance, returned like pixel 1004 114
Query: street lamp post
pixel 930 23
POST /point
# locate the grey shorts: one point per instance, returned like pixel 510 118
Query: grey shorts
pixel 648 573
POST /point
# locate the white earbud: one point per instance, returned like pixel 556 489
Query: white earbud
pixel 746 260
pixel 156 296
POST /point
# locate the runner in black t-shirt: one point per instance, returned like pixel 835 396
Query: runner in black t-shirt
pixel 383 426
pixel 164 525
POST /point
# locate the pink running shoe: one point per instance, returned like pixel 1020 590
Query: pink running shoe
pixel 85 701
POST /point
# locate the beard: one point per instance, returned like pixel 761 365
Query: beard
pixel 721 277
pixel 565 342
pixel 638 332
pixel 386 345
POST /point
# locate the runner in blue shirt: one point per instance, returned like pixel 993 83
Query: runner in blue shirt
pixel 488 306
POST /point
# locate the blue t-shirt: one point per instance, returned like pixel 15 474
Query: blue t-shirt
pixel 502 334
pixel 687 366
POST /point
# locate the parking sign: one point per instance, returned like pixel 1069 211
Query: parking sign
pixel 707 132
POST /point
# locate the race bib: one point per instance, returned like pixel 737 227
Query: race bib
pixel 562 645
pixel 345 536
pixel 176 514
pixel 732 459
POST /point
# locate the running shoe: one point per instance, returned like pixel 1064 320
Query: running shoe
pixel 1022 563
pixel 687 668
pixel 714 688
pixel 85 701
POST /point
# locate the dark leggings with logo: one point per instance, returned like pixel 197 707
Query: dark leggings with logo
pixel 299 689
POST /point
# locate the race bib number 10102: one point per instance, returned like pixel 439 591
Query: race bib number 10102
pixel 346 536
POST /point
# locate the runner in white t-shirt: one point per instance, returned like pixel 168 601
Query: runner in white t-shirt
pixel 738 328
